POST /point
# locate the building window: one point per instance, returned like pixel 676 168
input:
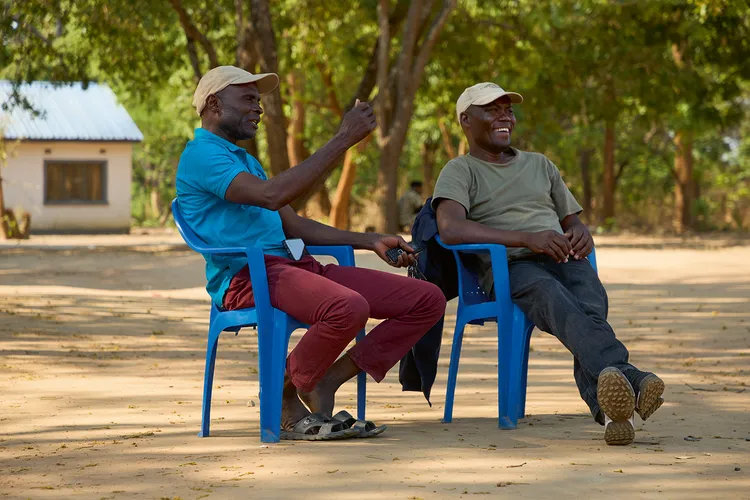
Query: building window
pixel 75 182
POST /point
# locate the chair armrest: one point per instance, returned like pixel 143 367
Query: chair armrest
pixel 226 251
pixel 344 254
pixel 495 250
pixel 592 259
pixel 498 254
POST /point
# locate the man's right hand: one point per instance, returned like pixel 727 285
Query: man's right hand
pixel 551 243
pixel 358 123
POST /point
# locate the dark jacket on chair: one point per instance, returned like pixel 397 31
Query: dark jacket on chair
pixel 418 368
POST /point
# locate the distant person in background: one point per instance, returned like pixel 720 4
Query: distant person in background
pixel 409 205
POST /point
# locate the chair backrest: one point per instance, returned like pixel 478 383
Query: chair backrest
pixel 470 288
pixel 192 239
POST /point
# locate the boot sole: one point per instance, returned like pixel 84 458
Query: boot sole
pixel 619 433
pixel 649 396
pixel 615 395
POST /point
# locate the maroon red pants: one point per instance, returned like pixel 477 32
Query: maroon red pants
pixel 337 301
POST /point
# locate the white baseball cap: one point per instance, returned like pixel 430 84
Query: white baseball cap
pixel 221 77
pixel 481 94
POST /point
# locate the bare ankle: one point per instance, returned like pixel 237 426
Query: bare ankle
pixel 290 390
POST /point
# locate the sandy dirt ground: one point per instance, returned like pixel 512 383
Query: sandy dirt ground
pixel 102 351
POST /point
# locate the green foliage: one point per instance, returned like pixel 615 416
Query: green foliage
pixel 651 67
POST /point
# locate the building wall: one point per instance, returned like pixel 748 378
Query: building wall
pixel 23 185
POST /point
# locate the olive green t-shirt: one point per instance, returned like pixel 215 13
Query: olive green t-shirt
pixel 525 194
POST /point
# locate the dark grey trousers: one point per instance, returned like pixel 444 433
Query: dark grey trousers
pixel 568 301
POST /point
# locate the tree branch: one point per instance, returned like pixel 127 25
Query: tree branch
pixel 400 122
pixel 193 33
pixel 621 168
pixel 194 60
pixel 239 26
pixel 367 83
pixel 369 78
pixel 447 140
pixel 384 45
pixel 266 52
pixel 333 101
pixel 411 31
pixel 430 41
pixel 32 29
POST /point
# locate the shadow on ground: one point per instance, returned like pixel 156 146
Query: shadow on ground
pixel 103 355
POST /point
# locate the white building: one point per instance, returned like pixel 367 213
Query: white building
pixel 71 166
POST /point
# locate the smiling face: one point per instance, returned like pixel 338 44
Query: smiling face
pixel 490 126
pixel 234 112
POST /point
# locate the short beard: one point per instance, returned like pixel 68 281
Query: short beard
pixel 233 128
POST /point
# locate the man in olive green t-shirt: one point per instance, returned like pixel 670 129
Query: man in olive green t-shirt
pixel 499 194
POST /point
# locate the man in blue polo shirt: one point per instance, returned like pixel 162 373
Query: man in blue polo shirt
pixel 227 200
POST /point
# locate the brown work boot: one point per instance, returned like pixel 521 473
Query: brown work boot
pixel 617 401
pixel 649 396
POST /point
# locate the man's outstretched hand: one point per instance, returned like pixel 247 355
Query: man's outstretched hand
pixel 384 242
pixel 581 241
pixel 358 122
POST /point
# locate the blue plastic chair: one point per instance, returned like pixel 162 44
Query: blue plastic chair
pixel 513 331
pixel 274 329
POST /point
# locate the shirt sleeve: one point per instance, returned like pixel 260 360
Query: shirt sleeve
pixel 565 202
pixel 219 170
pixel 454 184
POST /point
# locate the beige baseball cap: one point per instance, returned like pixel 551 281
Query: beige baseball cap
pixel 481 94
pixel 220 77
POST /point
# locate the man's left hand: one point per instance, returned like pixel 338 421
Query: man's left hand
pixel 581 241
pixel 384 242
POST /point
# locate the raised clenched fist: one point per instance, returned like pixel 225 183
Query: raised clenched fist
pixel 358 122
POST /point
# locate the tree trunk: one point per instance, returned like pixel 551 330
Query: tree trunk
pixel 388 190
pixel 251 146
pixel 462 146
pixel 165 216
pixel 450 150
pixel 272 103
pixel 296 133
pixel 608 207
pixel 682 219
pixel 367 83
pixel 245 58
pixel 585 162
pixel 155 203
pixel 428 168
pixel 296 148
pixel 3 223
pixel 323 201
pixel 339 215
pixel 395 109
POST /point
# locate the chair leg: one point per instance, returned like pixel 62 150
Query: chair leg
pixel 453 372
pixel 208 381
pixel 361 386
pixel 524 373
pixel 272 349
pixel 511 340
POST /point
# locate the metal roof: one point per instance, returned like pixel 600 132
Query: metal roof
pixel 69 113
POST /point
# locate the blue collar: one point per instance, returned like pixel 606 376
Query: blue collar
pixel 201 134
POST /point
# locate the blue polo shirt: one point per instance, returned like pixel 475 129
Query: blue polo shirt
pixel 206 169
